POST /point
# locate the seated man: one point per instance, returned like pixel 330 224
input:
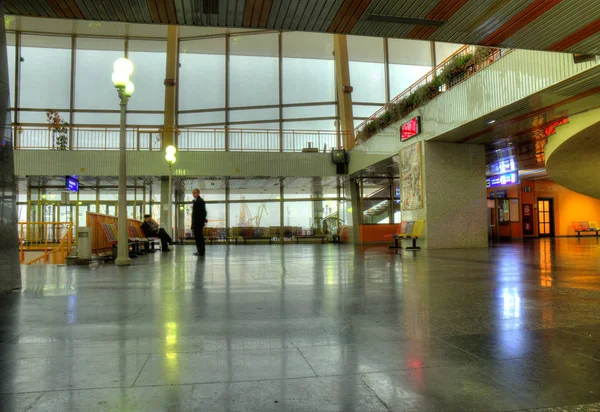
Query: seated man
pixel 151 229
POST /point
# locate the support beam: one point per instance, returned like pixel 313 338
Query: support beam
pixel 342 74
pixel 169 131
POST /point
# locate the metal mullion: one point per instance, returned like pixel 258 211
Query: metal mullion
pixel 17 75
pixel 227 79
pixel 386 68
pixel 280 61
pixel 192 111
pixel 72 86
pixel 266 106
pixel 286 105
pixel 176 135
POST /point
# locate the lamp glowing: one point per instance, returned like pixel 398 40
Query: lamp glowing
pixel 129 88
pixel 120 79
pixel 171 150
pixel 170 158
pixel 123 65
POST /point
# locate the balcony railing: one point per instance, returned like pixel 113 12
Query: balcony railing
pixel 494 55
pixel 188 139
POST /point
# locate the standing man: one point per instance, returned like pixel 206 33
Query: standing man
pixel 198 222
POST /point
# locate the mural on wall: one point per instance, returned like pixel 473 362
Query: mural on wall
pixel 412 190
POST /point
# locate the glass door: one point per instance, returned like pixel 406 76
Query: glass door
pixel 545 217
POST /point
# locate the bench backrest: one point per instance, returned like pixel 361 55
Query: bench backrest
pixel 593 224
pixel 132 232
pixel 409 228
pixel 585 225
pixel 110 231
pixel 576 226
pixel 418 228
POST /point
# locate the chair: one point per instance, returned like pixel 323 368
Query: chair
pixel 594 225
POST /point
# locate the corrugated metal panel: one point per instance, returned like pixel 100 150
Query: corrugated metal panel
pixel 517 84
pixel 406 8
pixel 591 45
pixel 557 23
pixel 105 163
pixel 467 26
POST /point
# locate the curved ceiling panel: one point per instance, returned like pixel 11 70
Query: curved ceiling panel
pixel 573 154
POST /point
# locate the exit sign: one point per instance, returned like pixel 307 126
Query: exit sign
pixel 410 128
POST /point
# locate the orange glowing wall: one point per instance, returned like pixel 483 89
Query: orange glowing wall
pixel 569 206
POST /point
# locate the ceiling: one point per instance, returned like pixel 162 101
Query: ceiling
pixel 557 25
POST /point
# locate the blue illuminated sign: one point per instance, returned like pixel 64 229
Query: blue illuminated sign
pixel 72 184
pixel 502 180
pixel 502 167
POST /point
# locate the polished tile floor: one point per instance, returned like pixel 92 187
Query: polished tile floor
pixel 309 328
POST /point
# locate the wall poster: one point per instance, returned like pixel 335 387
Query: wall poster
pixel 412 189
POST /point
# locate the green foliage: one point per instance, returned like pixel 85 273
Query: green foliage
pixel 456 67
pixel 60 129
pixel 481 55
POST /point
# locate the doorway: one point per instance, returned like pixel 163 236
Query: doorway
pixel 545 208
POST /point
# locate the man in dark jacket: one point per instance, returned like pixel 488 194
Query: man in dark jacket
pixel 151 229
pixel 198 222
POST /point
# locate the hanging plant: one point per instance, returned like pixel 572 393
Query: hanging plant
pixel 59 129
pixel 454 69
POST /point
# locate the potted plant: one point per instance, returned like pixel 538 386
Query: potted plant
pixel 59 129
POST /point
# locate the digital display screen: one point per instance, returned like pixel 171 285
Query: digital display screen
pixel 502 180
pixel 410 128
pixel 502 167
pixel 72 184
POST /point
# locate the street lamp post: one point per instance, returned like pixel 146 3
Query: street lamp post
pixel 123 68
pixel 171 159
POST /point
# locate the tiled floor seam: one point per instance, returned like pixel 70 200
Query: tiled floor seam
pixel 33 403
pixel 140 372
pixel 375 393
pixel 307 362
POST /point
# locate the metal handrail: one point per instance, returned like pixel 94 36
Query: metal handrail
pixel 189 139
pixel 431 75
pixel 42 236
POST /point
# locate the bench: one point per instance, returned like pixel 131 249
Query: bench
pixel 591 226
pixel 322 237
pixel 136 234
pixel 408 230
pixel 110 232
pixel 257 234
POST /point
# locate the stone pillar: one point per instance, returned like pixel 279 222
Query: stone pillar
pixel 454 196
pixel 164 202
pixel 342 75
pixel 317 206
pixel 170 119
pixel 10 271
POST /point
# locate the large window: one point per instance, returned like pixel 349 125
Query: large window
pixel 149 59
pixel 45 72
pixel 409 60
pixel 367 70
pixel 11 54
pixel 254 70
pixel 202 77
pixel 308 68
pixel 93 69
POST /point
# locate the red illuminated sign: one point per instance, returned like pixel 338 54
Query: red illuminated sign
pixel 410 128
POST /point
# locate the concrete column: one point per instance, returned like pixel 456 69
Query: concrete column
pixel 342 75
pixel 10 271
pixel 164 205
pixel 454 193
pixel 170 121
pixel 317 212
pixel 356 210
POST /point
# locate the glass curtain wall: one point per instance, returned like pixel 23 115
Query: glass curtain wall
pixel 379 200
pixel 258 81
